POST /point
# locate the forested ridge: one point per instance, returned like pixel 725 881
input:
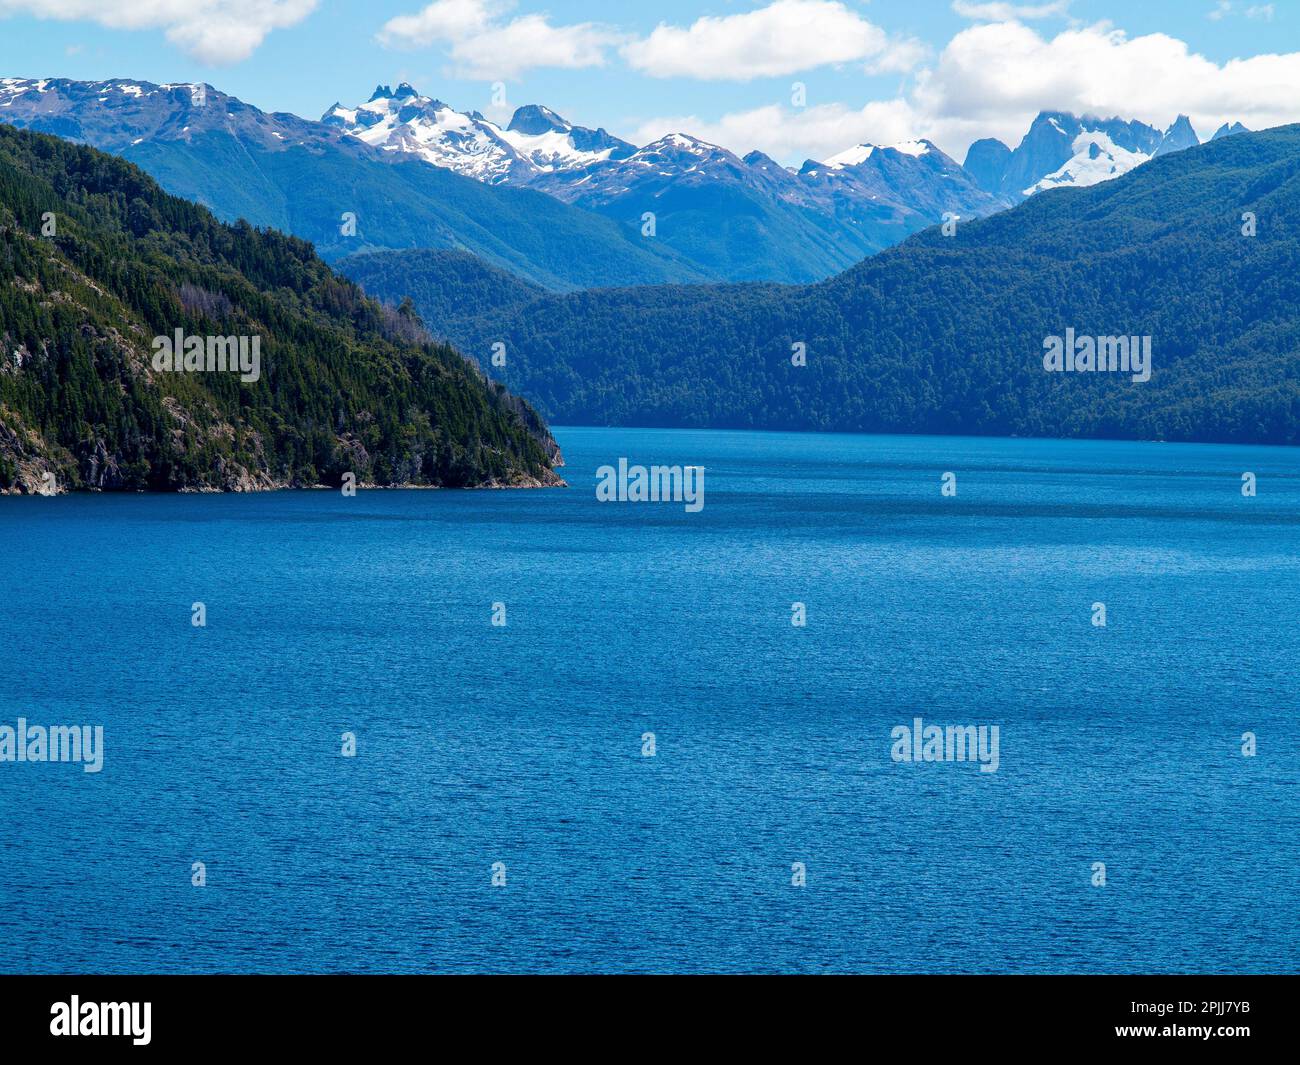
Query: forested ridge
pixel 1199 250
pixel 346 385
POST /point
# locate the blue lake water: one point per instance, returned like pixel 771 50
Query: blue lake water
pixel 523 745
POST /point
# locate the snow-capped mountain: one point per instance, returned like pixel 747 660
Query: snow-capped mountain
pixel 914 175
pixel 551 144
pixel 1063 150
pixel 121 114
pixel 537 141
pixel 873 187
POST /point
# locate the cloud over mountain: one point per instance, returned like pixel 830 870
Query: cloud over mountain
pixel 992 79
pixel 215 32
pixel 785 37
pixel 483 42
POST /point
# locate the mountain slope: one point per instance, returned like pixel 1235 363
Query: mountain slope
pixel 339 384
pixel 447 286
pixel 752 220
pixel 304 178
pixel 946 334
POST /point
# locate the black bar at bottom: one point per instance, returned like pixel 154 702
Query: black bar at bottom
pixel 343 1014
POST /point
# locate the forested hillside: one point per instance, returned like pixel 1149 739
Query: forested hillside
pixel 96 261
pixel 1200 250
pixel 445 285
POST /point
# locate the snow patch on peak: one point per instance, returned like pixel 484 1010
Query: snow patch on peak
pixel 684 141
pixel 1096 158
pixel 854 156
pixel 17 86
pixel 859 154
pixel 915 149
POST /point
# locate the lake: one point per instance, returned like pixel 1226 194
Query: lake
pixel 520 752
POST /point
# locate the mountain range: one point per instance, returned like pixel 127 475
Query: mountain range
pixel 97 264
pixel 882 193
pixel 735 218
pixel 946 334
pixel 560 205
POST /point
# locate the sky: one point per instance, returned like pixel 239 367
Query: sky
pixel 797 79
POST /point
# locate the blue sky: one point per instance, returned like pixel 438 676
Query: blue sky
pixel 883 71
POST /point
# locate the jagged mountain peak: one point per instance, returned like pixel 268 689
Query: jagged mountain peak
pixel 1179 136
pixel 534 120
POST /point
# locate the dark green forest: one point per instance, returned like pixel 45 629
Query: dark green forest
pixel 446 285
pixel 944 334
pixel 346 385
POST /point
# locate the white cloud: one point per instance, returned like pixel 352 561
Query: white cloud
pixel 1000 76
pixel 483 43
pixel 993 79
pixel 1005 12
pixel 215 32
pixel 791 135
pixel 785 37
pixel 1256 12
pixel 903 56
